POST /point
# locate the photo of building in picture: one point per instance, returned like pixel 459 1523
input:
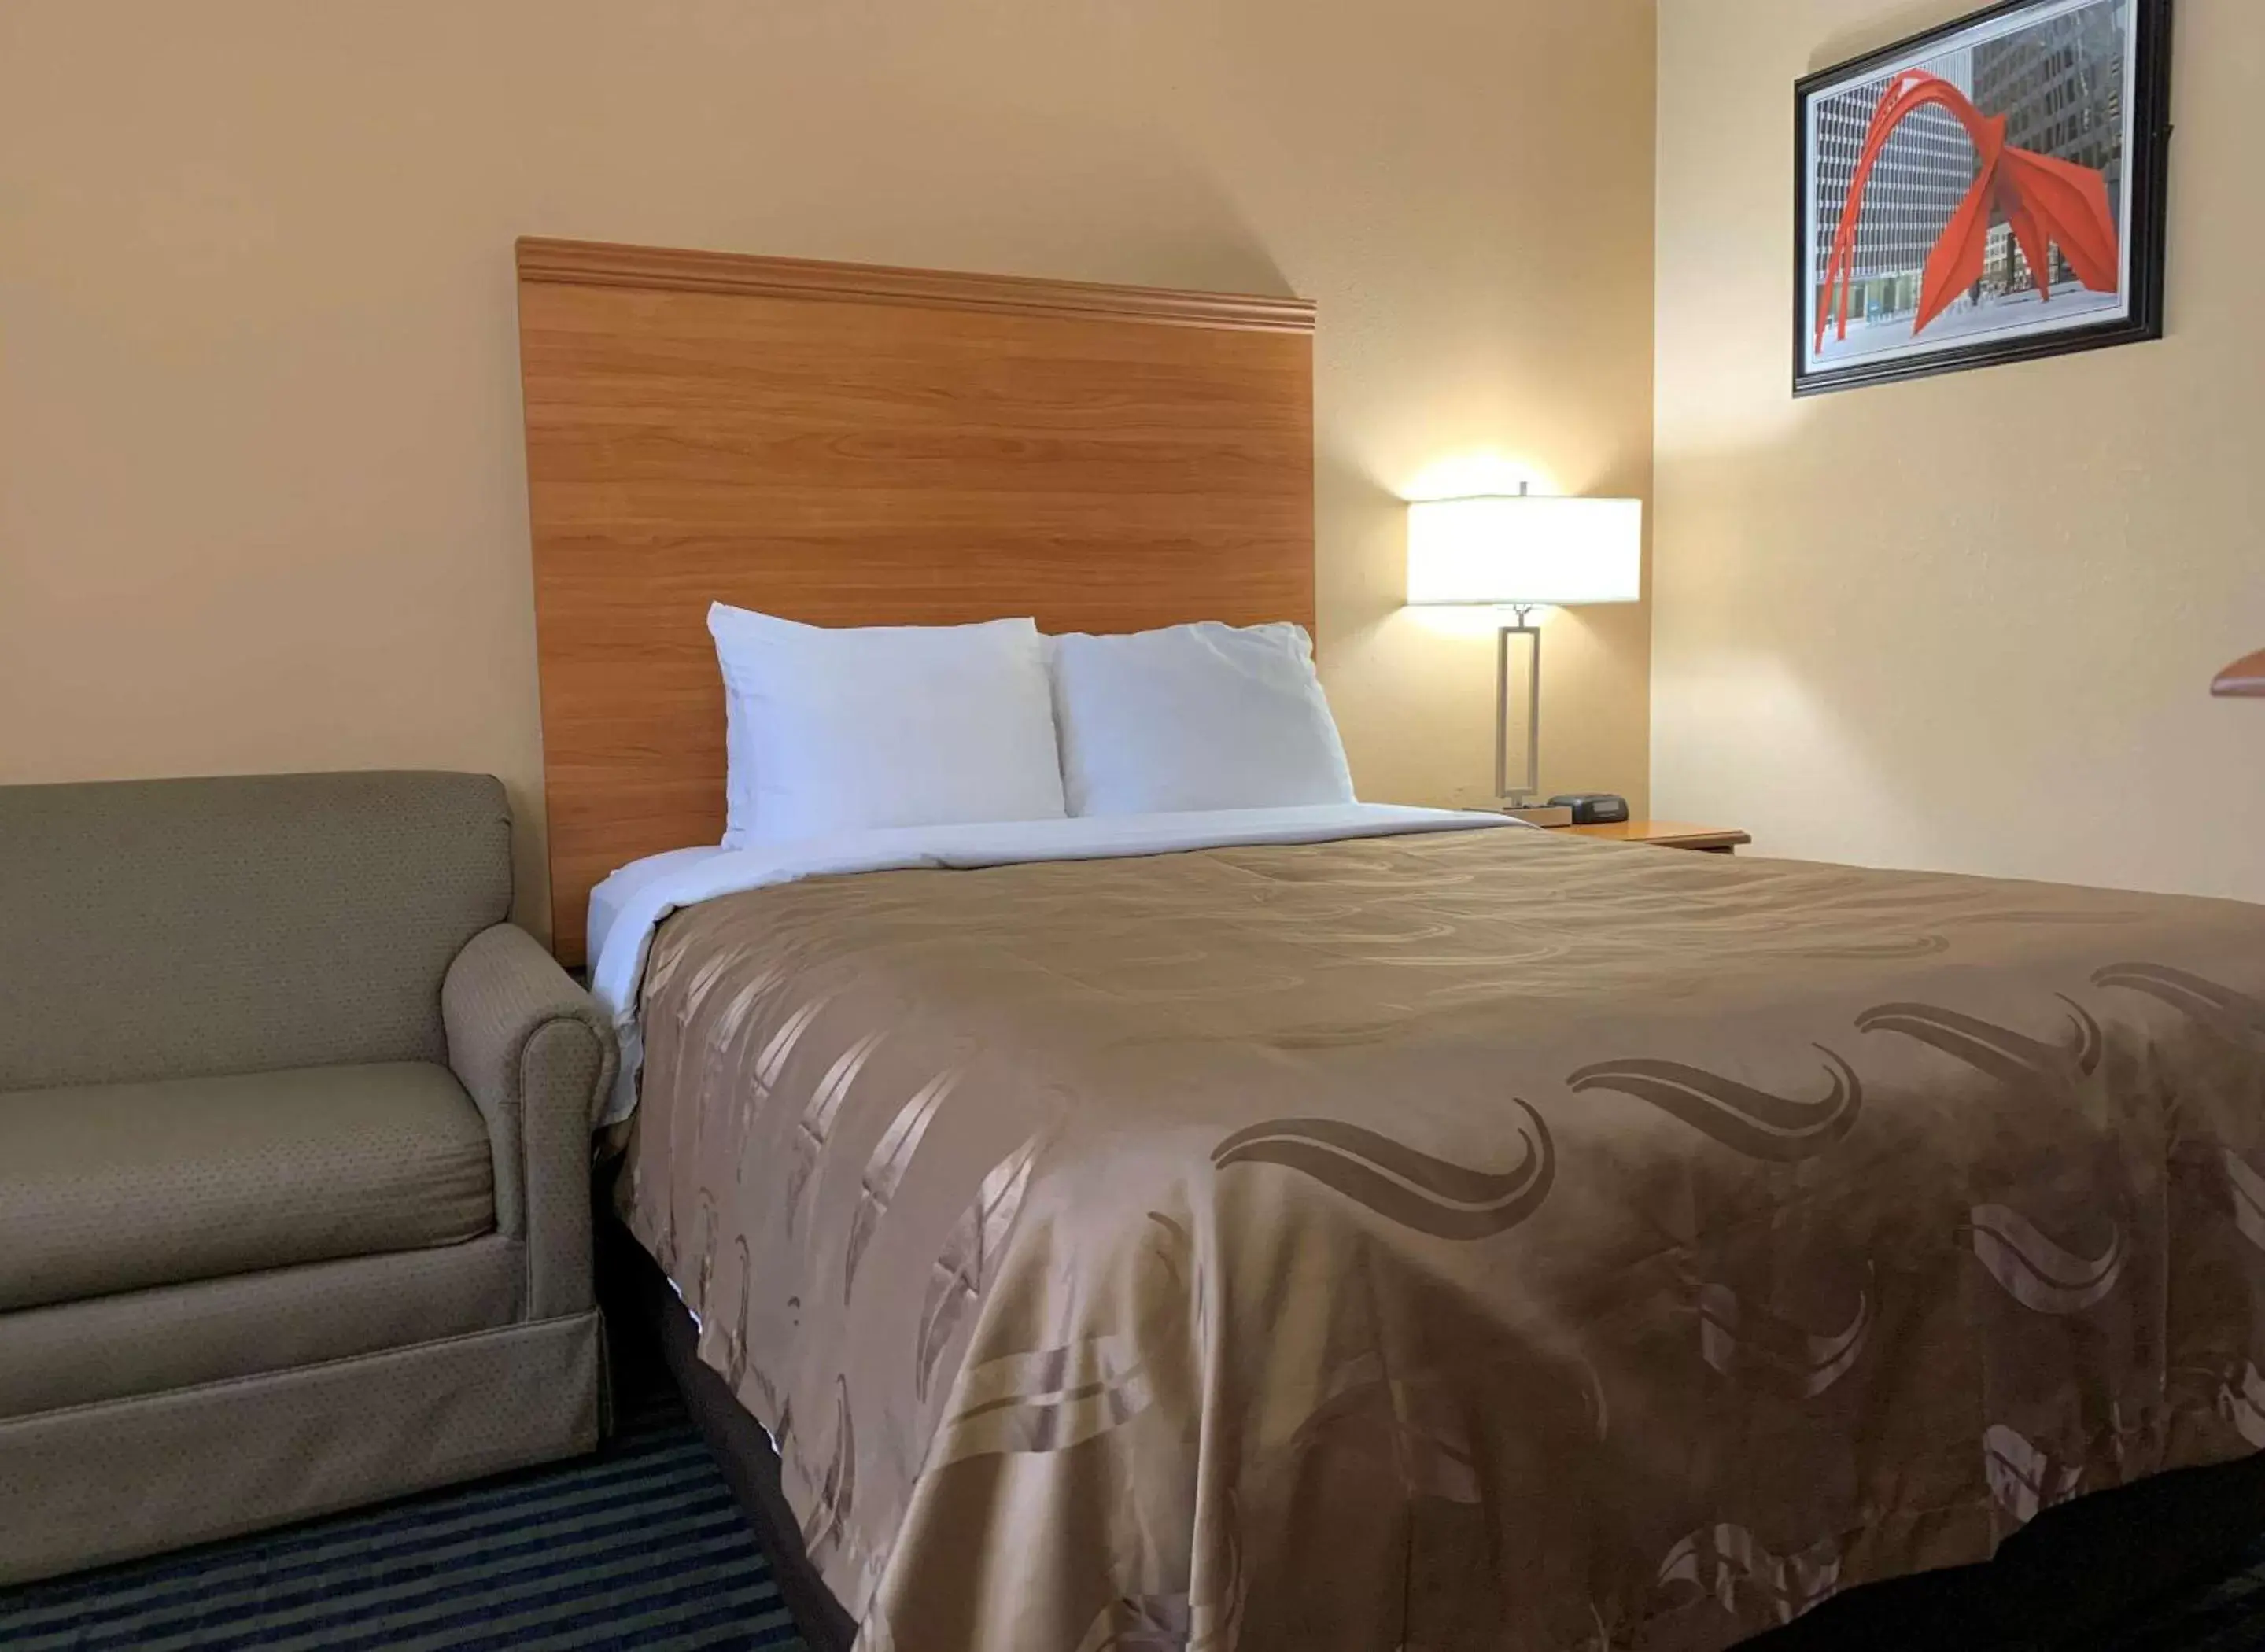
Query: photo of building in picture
pixel 1975 195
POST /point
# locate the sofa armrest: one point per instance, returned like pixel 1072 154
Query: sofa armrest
pixel 537 1058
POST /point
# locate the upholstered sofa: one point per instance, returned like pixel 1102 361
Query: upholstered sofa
pixel 293 1158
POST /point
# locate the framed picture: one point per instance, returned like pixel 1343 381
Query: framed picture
pixel 1989 192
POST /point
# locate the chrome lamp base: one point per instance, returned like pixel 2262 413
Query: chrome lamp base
pixel 1508 795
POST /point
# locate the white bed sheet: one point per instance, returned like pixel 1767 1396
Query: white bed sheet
pixel 610 899
pixel 626 907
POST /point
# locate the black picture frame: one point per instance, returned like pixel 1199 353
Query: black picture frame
pixel 2145 174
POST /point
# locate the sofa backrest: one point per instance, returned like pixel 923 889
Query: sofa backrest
pixel 165 928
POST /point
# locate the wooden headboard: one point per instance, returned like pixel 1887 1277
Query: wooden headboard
pixel 849 445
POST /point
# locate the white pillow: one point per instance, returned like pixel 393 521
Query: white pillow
pixel 830 731
pixel 1195 716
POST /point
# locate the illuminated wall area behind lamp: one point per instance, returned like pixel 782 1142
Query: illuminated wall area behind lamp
pixel 1523 551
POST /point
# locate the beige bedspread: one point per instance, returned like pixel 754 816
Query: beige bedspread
pixel 1492 1240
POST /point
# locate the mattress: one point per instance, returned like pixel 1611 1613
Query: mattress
pixel 1478 1239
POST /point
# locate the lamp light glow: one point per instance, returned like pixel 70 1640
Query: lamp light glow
pixel 1525 550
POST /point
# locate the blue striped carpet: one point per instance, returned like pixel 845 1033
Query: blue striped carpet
pixel 2227 1616
pixel 639 1547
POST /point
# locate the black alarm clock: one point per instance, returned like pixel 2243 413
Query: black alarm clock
pixel 1593 808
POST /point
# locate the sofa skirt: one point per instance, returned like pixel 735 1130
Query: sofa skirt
pixel 91 1484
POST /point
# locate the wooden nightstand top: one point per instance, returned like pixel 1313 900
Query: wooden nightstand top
pixel 1666 835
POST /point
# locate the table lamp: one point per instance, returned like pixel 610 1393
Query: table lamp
pixel 1523 551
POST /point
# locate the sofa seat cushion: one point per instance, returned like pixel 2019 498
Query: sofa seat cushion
pixel 120 1187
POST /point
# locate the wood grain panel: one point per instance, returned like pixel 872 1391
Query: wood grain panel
pixel 704 427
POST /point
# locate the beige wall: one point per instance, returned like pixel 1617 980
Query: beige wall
pixel 262 502
pixel 1968 622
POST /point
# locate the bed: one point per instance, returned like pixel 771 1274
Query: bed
pixel 1358 1229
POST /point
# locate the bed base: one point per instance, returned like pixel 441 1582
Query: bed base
pixel 640 1297
pixel 2063 1582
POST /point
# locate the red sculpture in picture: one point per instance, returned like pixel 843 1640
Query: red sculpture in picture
pixel 2046 201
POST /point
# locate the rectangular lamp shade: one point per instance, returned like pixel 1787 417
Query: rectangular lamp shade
pixel 1525 550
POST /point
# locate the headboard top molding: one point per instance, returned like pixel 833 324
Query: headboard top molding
pixel 611 264
pixel 845 445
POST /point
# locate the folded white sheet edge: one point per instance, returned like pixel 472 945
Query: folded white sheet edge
pixel 630 905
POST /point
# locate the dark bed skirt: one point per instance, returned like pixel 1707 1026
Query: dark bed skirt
pixel 2062 1582
pixel 636 1288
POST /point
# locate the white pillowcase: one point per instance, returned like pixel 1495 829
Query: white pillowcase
pixel 830 730
pixel 1195 716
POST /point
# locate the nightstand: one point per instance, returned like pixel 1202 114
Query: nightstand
pixel 1666 835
